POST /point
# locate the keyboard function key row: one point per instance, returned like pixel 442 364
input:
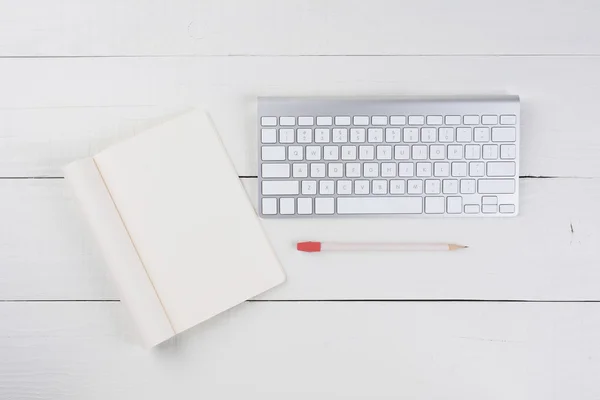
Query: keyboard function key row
pixel 382 120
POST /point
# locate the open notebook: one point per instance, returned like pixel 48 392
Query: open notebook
pixel 175 225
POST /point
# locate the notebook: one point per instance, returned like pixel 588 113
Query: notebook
pixel 175 224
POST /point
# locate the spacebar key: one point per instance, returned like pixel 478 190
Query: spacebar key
pixel 379 205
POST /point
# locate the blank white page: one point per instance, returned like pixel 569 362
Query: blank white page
pixel 190 219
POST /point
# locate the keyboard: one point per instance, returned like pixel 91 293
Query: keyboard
pixel 414 156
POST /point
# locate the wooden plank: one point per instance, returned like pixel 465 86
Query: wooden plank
pixel 306 350
pixel 549 252
pixel 115 98
pixel 268 27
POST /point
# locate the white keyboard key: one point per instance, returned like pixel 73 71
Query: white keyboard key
pixel 286 135
pixel 397 186
pixel 454 205
pixel 375 135
pixel 434 205
pixel 330 153
pixel 371 170
pixel 501 168
pixel 455 152
pixel 269 206
pixel 305 206
pixel 366 152
pixel 357 135
pixel 437 151
pixel 379 205
pixel 508 119
pixel 459 169
pixel 434 120
pixel 286 206
pixel 384 152
pixel 335 170
pixel 416 120
pixel 273 153
pixel 379 186
pixel 467 186
pixel 326 187
pixel 411 135
pixel 450 186
pixel 268 121
pixel 295 153
pixel 489 120
pixel 340 135
pixel 379 120
pixel 471 208
pixel 452 119
pixel 423 169
pixel 344 187
pixel 406 169
pixel 419 152
pixel 275 170
pixel 490 151
pixel 324 205
pixel 464 135
pixel 415 186
pixel 309 187
pixel 489 200
pixel 392 135
pixel 446 135
pixel 496 186
pixel 388 170
pixel 348 152
pixel 398 120
pixel 508 151
pixel 361 187
pixel 361 120
pixel 287 121
pixel 471 120
pixel 304 135
pixel 476 169
pixel 322 135
pixel 306 121
pixel 472 152
pixel 300 170
pixel 271 188
pixel 401 152
pixel 507 208
pixel 482 134
pixel 433 186
pixel 353 170
pixel 489 208
pixel 504 134
pixel 441 169
pixel 268 135
pixel 324 121
pixel 428 135
pixel 313 153
pixel 342 120
pixel 317 170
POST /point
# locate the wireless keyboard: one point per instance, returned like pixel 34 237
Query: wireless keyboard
pixel 427 157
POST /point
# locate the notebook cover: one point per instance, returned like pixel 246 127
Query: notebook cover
pixel 176 226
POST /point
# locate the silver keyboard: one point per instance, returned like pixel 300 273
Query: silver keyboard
pixel 418 156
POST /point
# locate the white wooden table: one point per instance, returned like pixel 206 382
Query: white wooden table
pixel 515 317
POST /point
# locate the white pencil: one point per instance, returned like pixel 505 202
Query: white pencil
pixel 313 247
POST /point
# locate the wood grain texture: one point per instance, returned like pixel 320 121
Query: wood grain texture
pixel 271 27
pixel 306 350
pixel 549 252
pixel 53 111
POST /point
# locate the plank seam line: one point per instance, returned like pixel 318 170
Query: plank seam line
pixel 133 244
pixel 325 301
pixel 306 55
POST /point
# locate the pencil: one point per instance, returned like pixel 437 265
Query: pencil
pixel 313 247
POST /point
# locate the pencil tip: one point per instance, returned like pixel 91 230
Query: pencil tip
pixel 457 247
